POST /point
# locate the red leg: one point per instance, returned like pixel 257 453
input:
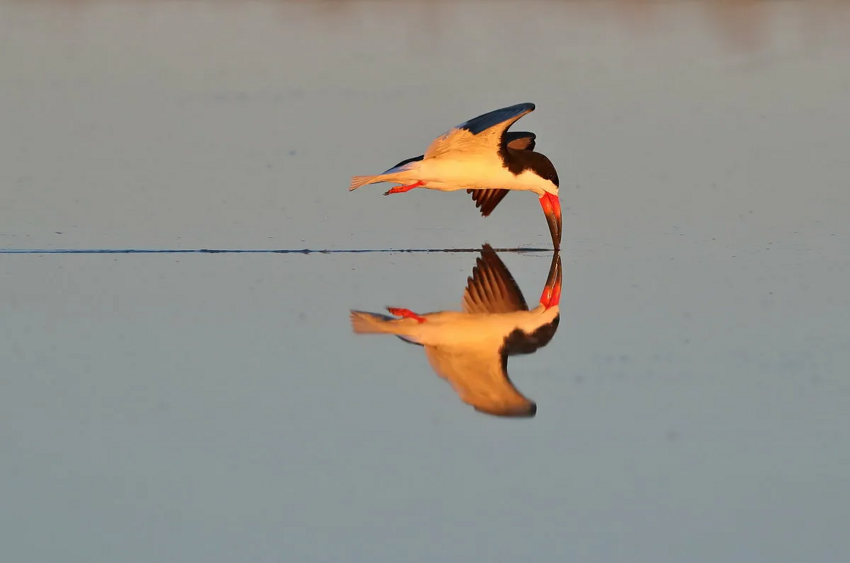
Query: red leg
pixel 406 313
pixel 402 189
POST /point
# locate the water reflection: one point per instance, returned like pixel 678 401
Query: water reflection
pixel 470 348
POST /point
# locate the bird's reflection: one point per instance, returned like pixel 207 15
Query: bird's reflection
pixel 470 348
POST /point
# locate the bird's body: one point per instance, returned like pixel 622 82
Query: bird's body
pixel 461 329
pixel 466 171
pixel 470 348
pixel 482 157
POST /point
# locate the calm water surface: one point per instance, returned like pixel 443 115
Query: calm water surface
pixel 693 405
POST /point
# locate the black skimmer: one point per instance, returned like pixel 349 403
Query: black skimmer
pixel 470 348
pixel 482 157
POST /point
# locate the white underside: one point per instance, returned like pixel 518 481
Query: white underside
pixel 455 328
pixel 476 172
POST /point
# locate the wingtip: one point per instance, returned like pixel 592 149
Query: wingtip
pixel 486 250
pixel 525 411
pixel 486 200
pixel 525 106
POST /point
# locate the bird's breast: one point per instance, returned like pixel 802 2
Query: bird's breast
pixel 474 172
pixel 454 328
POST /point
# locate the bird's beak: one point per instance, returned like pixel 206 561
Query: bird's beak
pixel 552 209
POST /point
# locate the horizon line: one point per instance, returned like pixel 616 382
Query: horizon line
pixel 260 251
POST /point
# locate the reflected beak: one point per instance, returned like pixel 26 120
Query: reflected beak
pixel 551 296
pixel 552 209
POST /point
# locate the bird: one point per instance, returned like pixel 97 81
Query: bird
pixel 470 348
pixel 483 157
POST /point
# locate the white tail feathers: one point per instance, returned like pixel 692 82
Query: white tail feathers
pixel 371 323
pixel 391 175
pixel 357 181
pixel 374 323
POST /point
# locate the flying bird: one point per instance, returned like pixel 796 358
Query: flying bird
pixel 470 348
pixel 486 160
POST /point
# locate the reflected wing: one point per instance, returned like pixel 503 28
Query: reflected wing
pixel 492 288
pixel 480 379
pixel 480 134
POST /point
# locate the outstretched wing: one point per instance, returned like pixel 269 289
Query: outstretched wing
pixel 480 379
pixel 491 288
pixel 480 134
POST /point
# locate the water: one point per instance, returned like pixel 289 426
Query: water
pixel 693 404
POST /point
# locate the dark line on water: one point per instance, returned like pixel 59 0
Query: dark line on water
pixel 257 251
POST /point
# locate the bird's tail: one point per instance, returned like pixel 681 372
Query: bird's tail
pixel 357 181
pixel 363 322
pixel 401 172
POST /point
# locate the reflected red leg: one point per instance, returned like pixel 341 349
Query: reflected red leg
pixel 402 189
pixel 406 313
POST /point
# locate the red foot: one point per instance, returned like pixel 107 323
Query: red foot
pixel 406 313
pixel 402 189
